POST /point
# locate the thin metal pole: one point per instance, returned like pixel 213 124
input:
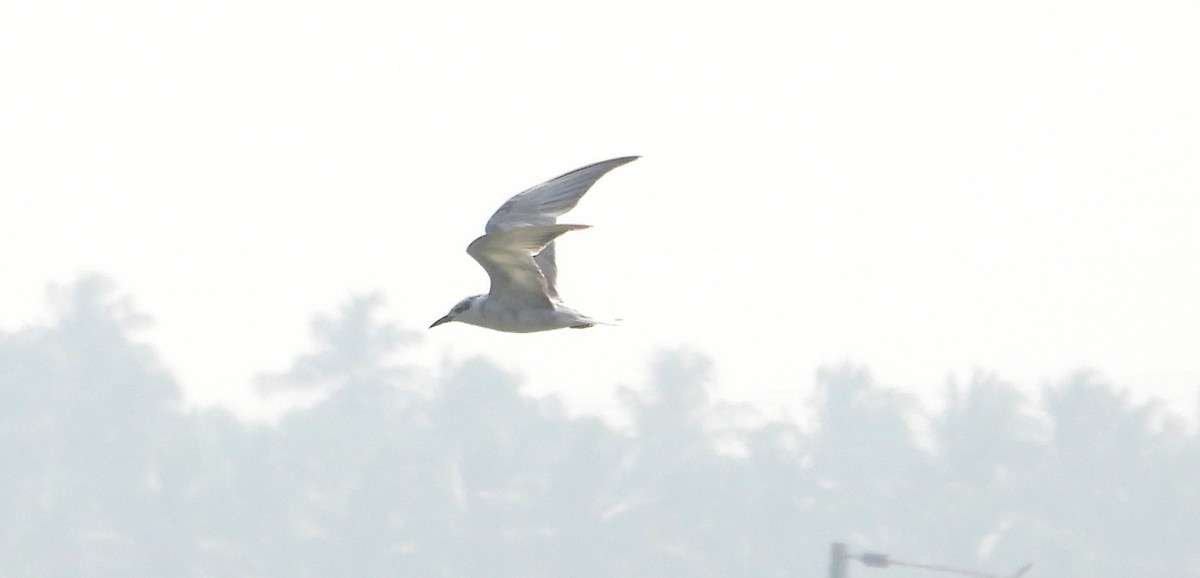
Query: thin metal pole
pixel 837 560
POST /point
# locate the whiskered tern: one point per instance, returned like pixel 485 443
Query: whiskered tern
pixel 517 251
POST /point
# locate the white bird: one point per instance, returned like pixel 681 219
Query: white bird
pixel 517 251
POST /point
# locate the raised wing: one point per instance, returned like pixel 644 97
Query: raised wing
pixel 544 203
pixel 507 256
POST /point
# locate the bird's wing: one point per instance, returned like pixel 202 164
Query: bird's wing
pixel 507 256
pixel 544 203
pixel 545 262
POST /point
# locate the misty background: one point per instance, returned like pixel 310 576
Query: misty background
pixel 385 470
pixel 918 275
pixel 928 186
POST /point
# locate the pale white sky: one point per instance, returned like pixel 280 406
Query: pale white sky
pixel 923 187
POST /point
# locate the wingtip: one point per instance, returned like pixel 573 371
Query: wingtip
pixel 567 227
pixel 616 161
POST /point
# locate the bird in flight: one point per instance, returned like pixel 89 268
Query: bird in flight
pixel 517 251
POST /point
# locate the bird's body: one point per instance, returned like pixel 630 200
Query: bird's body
pixel 497 316
pixel 517 251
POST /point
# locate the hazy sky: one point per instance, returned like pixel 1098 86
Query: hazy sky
pixel 924 187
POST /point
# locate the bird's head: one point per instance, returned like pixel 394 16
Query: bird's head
pixel 459 308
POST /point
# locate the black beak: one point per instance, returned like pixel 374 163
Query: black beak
pixel 445 319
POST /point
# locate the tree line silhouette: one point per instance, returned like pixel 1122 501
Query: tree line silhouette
pixel 393 473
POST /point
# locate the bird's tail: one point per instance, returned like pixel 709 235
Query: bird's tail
pixel 594 322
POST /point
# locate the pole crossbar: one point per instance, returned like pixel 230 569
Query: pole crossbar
pixel 838 555
pixel 937 568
